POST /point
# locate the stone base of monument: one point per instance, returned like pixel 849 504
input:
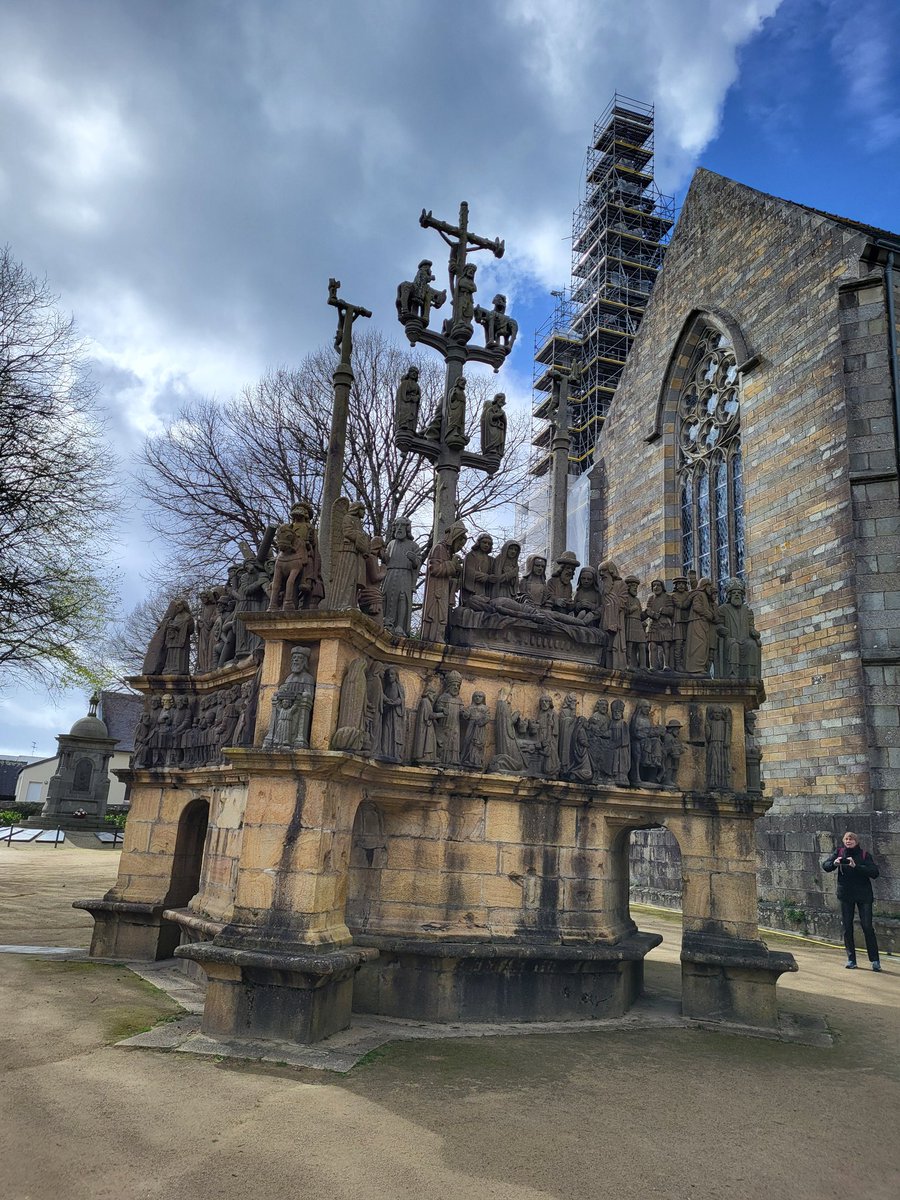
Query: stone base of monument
pixel 731 979
pixel 62 820
pixel 131 930
pixel 300 997
pixel 425 980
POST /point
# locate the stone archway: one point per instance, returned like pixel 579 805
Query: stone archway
pixel 187 861
pixel 368 855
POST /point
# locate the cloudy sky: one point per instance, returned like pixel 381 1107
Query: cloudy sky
pixel 189 173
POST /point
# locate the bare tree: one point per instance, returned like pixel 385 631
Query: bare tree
pixel 56 491
pixel 220 473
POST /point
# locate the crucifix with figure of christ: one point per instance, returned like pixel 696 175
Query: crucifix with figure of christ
pixel 444 439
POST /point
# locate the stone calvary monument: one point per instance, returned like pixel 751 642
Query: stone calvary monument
pixel 340 811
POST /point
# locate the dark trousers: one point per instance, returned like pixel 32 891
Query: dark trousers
pixel 865 921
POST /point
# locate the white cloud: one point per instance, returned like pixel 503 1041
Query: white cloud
pixel 864 47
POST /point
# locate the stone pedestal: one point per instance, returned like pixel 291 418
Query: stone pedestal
pixel 276 997
pixel 424 980
pixel 731 979
pixel 130 930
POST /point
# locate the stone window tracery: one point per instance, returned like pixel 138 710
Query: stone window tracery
pixel 710 468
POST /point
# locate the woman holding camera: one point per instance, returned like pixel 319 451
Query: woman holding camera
pixel 856 869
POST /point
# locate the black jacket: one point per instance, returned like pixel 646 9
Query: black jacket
pixel 853 883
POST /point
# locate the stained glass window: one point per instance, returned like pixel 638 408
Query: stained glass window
pixel 710 473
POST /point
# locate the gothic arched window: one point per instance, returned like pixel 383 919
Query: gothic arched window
pixel 710 472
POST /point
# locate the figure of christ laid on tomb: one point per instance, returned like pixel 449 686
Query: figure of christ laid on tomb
pixel 738 650
pixel 548 737
pixel 393 719
pixel 701 629
pixel 752 754
pixel 424 749
pixel 619 744
pixel 588 601
pixel 297 579
pixel 534 581
pixel 558 594
pixel 508 758
pixel 441 575
pixel 477 571
pixel 672 750
pixel 476 716
pixel 660 614
pixel 206 620
pixel 493 427
pixel 447 715
pixel 505 570
pixel 635 634
pixel 370 597
pixel 568 718
pixel 681 611
pixel 598 735
pixel 373 713
pixel 612 617
pixel 407 402
pixel 717 730
pixel 350 545
pixel 292 714
pixel 403 559
pixel 169 652
pixel 350 733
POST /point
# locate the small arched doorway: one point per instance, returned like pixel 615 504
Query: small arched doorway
pixel 651 871
pixel 187 861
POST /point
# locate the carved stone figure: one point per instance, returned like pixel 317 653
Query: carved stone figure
pixel 374 710
pixel 619 744
pixel 169 652
pixel 568 718
pixel 753 754
pixel 403 561
pixel 493 427
pixel 424 749
pixel 508 757
pixel 393 721
pixel 249 583
pixel 416 298
pixel 369 596
pixel 738 649
pixel 224 632
pixel 718 747
pixel 598 733
pixel 476 715
pixel 681 605
pixel 672 750
pixel 206 619
pixel 182 721
pixel 297 579
pixel 455 433
pixel 558 593
pixel 548 736
pixel 466 289
pixel 635 634
pixel 505 570
pixel 143 734
pixel 350 732
pixel 243 733
pixel 161 737
pixel 701 631
pixel 499 329
pixel 477 571
pixel 407 402
pixel 588 601
pixel 447 714
pixel 612 618
pixel 580 768
pixel 443 570
pixel 227 718
pixel 534 581
pixel 639 731
pixel 660 614
pixel 350 545
pixel 292 706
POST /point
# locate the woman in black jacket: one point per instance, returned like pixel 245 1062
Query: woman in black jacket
pixel 856 869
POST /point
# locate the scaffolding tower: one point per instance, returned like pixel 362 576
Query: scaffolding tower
pixel 619 231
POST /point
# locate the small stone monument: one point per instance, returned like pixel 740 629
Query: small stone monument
pixel 81 782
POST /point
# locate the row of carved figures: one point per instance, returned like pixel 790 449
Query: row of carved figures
pixel 443 730
pixel 184 730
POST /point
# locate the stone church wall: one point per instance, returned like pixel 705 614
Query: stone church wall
pixel 821 515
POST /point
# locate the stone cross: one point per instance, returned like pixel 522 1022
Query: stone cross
pixel 559 458
pixel 342 380
pixel 444 439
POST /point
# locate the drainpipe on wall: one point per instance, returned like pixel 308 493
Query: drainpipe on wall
pixel 891 249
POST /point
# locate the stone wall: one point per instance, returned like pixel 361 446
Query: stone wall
pixel 821 510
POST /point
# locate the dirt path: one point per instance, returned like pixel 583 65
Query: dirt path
pixel 662 1114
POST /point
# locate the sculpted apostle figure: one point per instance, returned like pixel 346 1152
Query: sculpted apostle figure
pixel 206 619
pixel 476 715
pixel 424 751
pixel 681 606
pixel 403 559
pixel 444 569
pixel 558 593
pixel 169 652
pixel 477 571
pixel 493 427
pixel 635 635
pixel 738 650
pixel 701 636
pixel 660 613
pixel 612 618
pixel 448 711
pixel 348 561
pixel 407 400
